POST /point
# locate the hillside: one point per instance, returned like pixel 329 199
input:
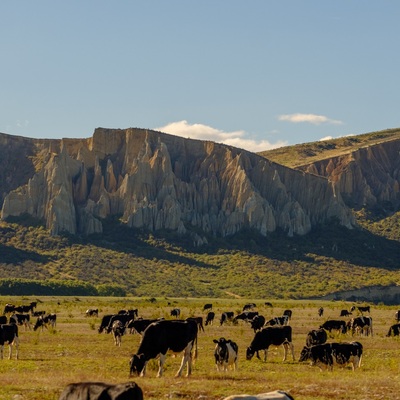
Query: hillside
pixel 312 259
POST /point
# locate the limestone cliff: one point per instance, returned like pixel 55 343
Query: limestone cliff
pixel 157 181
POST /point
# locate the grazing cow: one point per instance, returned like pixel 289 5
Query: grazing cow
pixel 360 326
pixel 268 304
pixel 275 395
pixel 207 306
pixel 210 318
pixel 3 319
pixel 9 308
pixel 394 330
pixel 257 323
pixel 248 306
pixel 268 336
pixel 38 313
pixel 361 309
pixel 329 353
pixel 226 316
pixel 9 334
pixel 176 312
pixel 316 336
pixel 123 318
pixel 199 322
pixel 162 336
pixel 92 312
pixel 21 319
pixel 345 313
pixel 246 316
pixel 44 321
pixel 118 330
pixel 320 311
pixel 105 322
pixel 397 316
pixel 139 325
pixel 102 391
pixel 334 325
pixel 226 354
pixel 288 313
pixel 280 321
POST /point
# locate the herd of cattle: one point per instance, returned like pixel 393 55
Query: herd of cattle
pixel 160 336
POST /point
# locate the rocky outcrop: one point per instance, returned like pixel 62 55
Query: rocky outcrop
pixel 157 181
pixel 367 177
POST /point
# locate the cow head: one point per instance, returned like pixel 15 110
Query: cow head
pixel 221 350
pixel 250 353
pixel 305 354
pixel 137 363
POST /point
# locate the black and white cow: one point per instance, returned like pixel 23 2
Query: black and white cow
pixel 176 312
pixel 207 306
pixel 102 391
pixel 21 319
pixel 257 323
pixel 345 313
pixel 271 336
pixel 226 316
pixel 329 353
pixel 394 330
pixel 361 326
pixel 361 309
pixel 246 316
pixel 161 337
pixel 316 336
pixel 46 321
pixel 123 318
pixel 92 312
pixel 9 335
pixel 274 395
pixel 249 306
pixel 334 325
pixel 210 318
pixel 9 308
pixel 118 330
pixel 139 325
pixel 38 313
pixel 279 321
pixel 225 354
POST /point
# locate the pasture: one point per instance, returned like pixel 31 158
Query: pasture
pixel 74 351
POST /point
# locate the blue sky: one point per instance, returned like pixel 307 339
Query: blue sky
pixel 254 74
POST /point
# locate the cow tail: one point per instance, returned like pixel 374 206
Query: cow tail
pixel 390 332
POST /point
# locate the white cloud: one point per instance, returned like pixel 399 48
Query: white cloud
pixel 204 132
pixel 310 118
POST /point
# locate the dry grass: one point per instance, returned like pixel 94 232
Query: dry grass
pixel 74 351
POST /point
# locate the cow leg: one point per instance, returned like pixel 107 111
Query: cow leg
pixel 285 351
pixel 143 371
pixel 290 344
pixel 1 351
pixel 15 343
pixel 161 365
pixel 187 358
pixel 265 355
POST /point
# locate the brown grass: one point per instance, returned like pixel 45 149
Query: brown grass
pixel 74 352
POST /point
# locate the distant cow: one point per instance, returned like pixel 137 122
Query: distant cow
pixel 118 330
pixel 21 319
pixel 320 311
pixel 280 321
pixel 246 316
pixel 123 318
pixel 207 306
pixel 334 325
pixel 249 306
pixel 92 312
pixel 361 326
pixel 268 336
pixel 361 309
pixel 105 322
pixel 345 313
pixel 199 322
pixel 102 391
pixel 316 336
pixel 210 318
pixel 275 395
pixel 257 323
pixel 161 336
pixel 226 316
pixel 139 325
pixel 44 321
pixel 9 308
pixel 176 312
pixel 394 330
pixel 226 354
pixel 9 335
pixel 38 313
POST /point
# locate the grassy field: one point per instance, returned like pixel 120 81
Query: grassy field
pixel 74 351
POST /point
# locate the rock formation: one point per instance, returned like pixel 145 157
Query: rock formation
pixel 155 181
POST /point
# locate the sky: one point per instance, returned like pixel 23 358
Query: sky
pixel 254 74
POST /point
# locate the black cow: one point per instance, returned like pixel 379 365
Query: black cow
pixel 345 313
pixel 226 316
pixel 320 311
pixel 123 318
pixel 246 316
pixel 118 330
pixel 334 325
pixel 207 306
pixel 210 318
pixel 92 312
pixel 3 319
pixel 105 322
pixel 225 354
pixel 316 336
pixel 9 308
pixel 268 336
pixel 9 335
pixel 361 309
pixel 21 319
pixel 248 306
pixel 329 353
pixel 257 323
pixel 176 312
pixel 102 391
pixel 394 330
pixel 280 321
pixel 199 322
pixel 360 326
pixel 268 304
pixel 139 325
pixel 162 336
pixel 44 321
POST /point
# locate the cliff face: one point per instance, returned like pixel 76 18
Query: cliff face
pixel 367 177
pixel 157 181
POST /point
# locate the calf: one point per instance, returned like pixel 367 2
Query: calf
pixel 394 330
pixel 210 318
pixel 118 330
pixel 226 354
pixel 275 395
pixel 334 325
pixel 161 337
pixel 9 335
pixel 102 391
pixel 316 336
pixel 268 336
pixel 45 321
